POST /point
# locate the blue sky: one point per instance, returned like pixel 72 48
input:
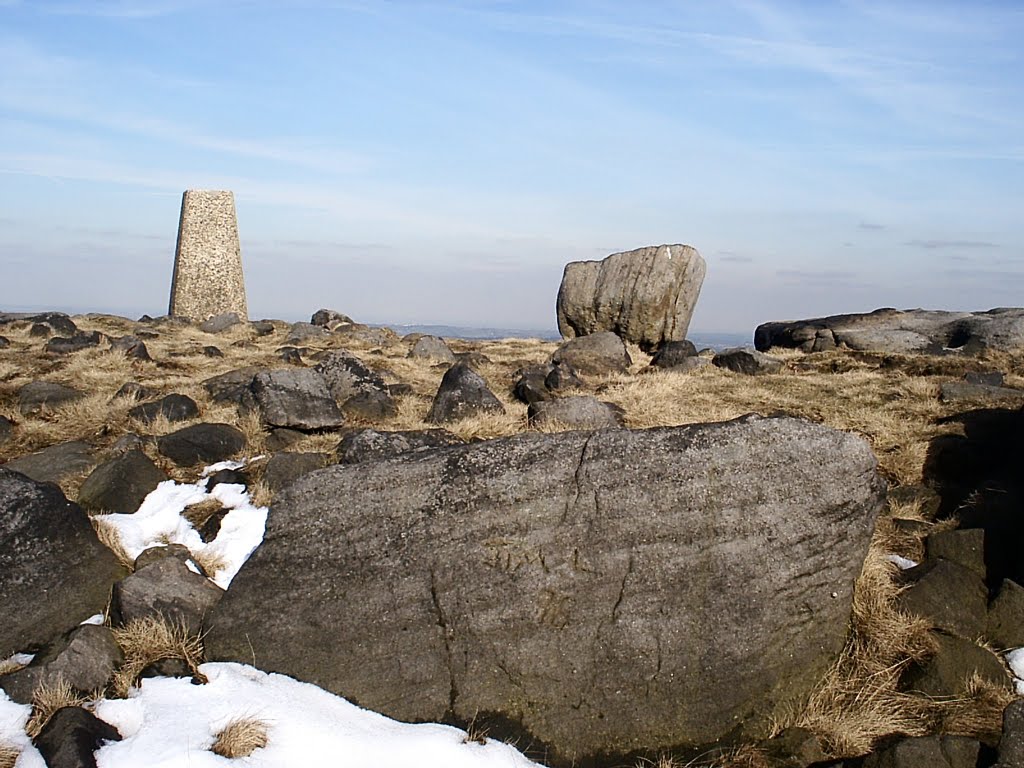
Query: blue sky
pixel 440 162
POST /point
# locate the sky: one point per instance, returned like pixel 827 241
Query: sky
pixel 441 162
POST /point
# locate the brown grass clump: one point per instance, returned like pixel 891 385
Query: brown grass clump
pixel 109 537
pixel 210 562
pixel 148 640
pixel 10 665
pixel 197 514
pixel 8 755
pixel 240 738
pixel 978 713
pixel 46 700
pixel 745 756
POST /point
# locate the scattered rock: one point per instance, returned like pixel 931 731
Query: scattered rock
pixel 988 378
pixel 132 346
pixel 562 581
pixel 55 571
pixel 120 484
pixel 60 345
pixel 296 398
pixel 233 386
pixel 346 375
pixel 202 443
pixel 794 748
pixel 155 554
pixel 263 327
pixel 370 406
pixel 646 296
pixel 4 342
pixel 432 348
pixel 562 376
pixel 211 351
pixel 58 322
pixel 673 353
pixel 290 355
pixel 220 323
pixel 370 445
pixel 6 429
pixel 129 442
pixel 85 659
pixel 330 319
pixel 965 546
pixel 950 595
pixel 56 462
pixel 1011 746
pixel 226 477
pixel 575 412
pixel 747 361
pixel 945 674
pixel 285 468
pixel 463 393
pixel 36 396
pixel 133 390
pixel 280 439
pixel 927 752
pixel 1005 627
pixel 165 588
pixel 531 384
pixel 956 391
pixel 302 332
pixel 71 737
pixel 598 353
pixel 173 407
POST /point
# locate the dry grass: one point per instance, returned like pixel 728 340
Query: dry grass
pixel 10 665
pixel 978 713
pixel 240 738
pixel 8 755
pixel 148 640
pixel 109 537
pixel 211 563
pixel 744 756
pixel 46 700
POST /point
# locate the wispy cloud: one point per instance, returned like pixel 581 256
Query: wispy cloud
pixel 935 245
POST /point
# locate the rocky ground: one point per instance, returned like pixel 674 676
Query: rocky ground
pixel 107 408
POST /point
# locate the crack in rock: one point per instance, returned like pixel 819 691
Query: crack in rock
pixel 453 691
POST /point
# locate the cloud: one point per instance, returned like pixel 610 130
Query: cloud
pixel 934 245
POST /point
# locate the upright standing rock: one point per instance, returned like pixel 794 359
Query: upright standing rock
pixel 645 296
pixel 208 261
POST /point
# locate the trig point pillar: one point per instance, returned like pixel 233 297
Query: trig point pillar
pixel 208 261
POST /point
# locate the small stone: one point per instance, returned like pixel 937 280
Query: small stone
pixel 120 484
pixel 37 396
pixel 747 361
pixel 463 393
pixel 208 443
pixel 432 348
pixel 71 737
pixel 1005 627
pixel 173 407
pixel 166 588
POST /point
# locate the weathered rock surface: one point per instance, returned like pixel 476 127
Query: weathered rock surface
pixel 462 393
pixel 71 737
pixel 646 296
pixel 747 361
pixel 233 386
pixel 346 375
pixel 285 468
pixel 55 462
pixel 945 674
pixel 164 588
pixel 57 321
pixel 575 412
pixel 927 752
pixel 599 353
pixel 132 346
pixel 55 571
pixel 432 348
pixel 951 596
pixel 37 395
pixel 173 407
pixel 900 331
pixel 220 323
pixel 61 345
pixel 372 445
pixel 672 354
pixel 602 592
pixel 120 484
pixel 330 319
pixel 1011 746
pixel 296 398
pixel 1006 617
pixel 207 443
pixel 957 391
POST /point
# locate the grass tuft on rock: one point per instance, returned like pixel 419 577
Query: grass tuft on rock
pixel 148 640
pixel 46 700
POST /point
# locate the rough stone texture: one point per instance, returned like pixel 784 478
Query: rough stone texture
pixel 602 592
pixel 988 378
pixel 900 331
pixel 57 321
pixel 531 384
pixel 120 485
pixel 134 390
pixel 85 659
pixel 927 752
pixel 220 323
pixel 945 674
pixel 673 353
pixel 1011 746
pixel 646 296
pixel 71 738
pixel 330 319
pixel 371 445
pixel 562 376
pixel 207 443
pixel 370 406
pixel 598 353
pixel 61 345
pixel 207 278
pixel 432 348
pixel 296 398
pixel 285 468
pixel 174 407
pixel 1006 617
pixel 55 571
pixel 132 346
pixel 6 429
pixel 794 748
pixel 55 462
pixel 462 393
pixel 37 395
pixel 346 375
pixel 965 546
pixel 746 361
pixel 233 386
pixel 952 596
pixel 154 554
pixel 957 391
pixel 575 412
pixel 165 588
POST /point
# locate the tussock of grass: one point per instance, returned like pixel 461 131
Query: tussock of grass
pixel 210 562
pixel 148 640
pixel 109 537
pixel 240 738
pixel 978 713
pixel 8 755
pixel 10 665
pixel 46 700
pixel 745 756
pixel 197 514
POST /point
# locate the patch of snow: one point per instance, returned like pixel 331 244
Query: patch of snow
pixel 207 471
pixel 13 717
pixel 902 562
pixel 21 659
pixel 96 618
pixel 1015 660
pixel 169 721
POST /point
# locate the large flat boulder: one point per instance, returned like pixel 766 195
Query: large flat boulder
pixel 596 593
pixel 900 332
pixel 646 296
pixel 54 572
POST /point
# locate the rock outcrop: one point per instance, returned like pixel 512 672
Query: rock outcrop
pixel 646 296
pixel 900 331
pixel 597 593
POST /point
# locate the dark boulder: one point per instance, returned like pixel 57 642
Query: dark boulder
pixel 562 376
pixel 132 346
pixel 927 752
pixel 596 354
pixel 233 386
pixel 296 398
pixel 746 361
pixel 211 351
pixel 951 596
pixel 72 736
pixel 134 391
pixel 6 429
pixel 1005 627
pixel 220 323
pixel 58 322
pixel 432 348
pixel 330 319
pixel 1011 745
pixel 299 333
pixel 346 375
pixel 463 393
pixel 370 445
pixel 531 384
pixel 36 396
pixel 55 571
pixel 202 443
pixel 598 592
pixel 55 462
pixel 673 353
pixel 965 546
pixel 945 675
pixel 370 406
pixel 61 345
pixel 959 391
pixel 166 588
pixel 285 468
pixel 120 484
pixel 173 407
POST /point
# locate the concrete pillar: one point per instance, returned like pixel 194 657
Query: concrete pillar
pixel 208 260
